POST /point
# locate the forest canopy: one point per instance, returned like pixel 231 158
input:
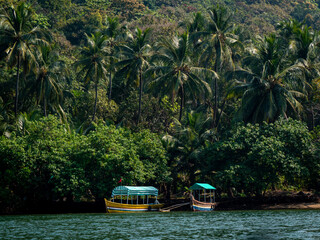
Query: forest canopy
pixel 160 93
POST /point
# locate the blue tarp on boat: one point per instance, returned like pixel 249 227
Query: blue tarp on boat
pixel 134 191
pixel 200 186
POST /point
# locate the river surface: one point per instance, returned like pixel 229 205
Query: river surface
pixel 278 224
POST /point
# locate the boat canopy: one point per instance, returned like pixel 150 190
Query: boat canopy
pixel 134 191
pixel 200 186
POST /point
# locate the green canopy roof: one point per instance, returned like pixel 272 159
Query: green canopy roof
pixel 134 190
pixel 200 186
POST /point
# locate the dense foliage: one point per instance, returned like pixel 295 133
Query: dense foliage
pixel 253 158
pixel 44 160
pixel 160 93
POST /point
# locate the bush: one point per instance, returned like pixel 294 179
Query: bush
pixel 254 158
pixel 46 161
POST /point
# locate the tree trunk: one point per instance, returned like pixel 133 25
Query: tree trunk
pixel 181 102
pixel 230 192
pixel 312 120
pixel 110 85
pixel 168 192
pixel 140 96
pixel 17 88
pixel 216 90
pixel 44 106
pixel 215 103
pixel 95 101
pixel 220 113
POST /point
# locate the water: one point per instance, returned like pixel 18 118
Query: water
pixel 176 225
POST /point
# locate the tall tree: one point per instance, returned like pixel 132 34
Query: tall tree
pixel 112 31
pixel 47 78
pixel 117 35
pixel 177 74
pixel 304 51
pixel 196 24
pixel 266 94
pixel 217 42
pixel 93 63
pixel 135 61
pixel 17 36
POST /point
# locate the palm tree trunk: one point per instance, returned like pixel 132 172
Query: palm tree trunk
pixel 312 114
pixel 95 101
pixel 17 88
pixel 110 85
pixel 140 96
pixel 44 106
pixel 216 90
pixel 215 110
pixel 181 103
pixel 220 113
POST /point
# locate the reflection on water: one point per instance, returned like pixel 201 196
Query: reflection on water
pixel 252 225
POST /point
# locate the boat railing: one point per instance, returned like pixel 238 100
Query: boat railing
pixel 202 203
pixel 140 201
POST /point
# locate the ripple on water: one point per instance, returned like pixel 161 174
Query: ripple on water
pixel 252 225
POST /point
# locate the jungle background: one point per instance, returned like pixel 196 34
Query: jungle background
pixel 163 93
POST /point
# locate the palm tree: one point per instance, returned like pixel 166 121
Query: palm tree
pixel 266 91
pixel 196 24
pixel 93 63
pixel 117 35
pixel 48 76
pixel 304 51
pixel 287 29
pixel 113 33
pixel 135 61
pixel 177 74
pixel 217 42
pixel 302 43
pixel 185 145
pixel 218 39
pixel 17 37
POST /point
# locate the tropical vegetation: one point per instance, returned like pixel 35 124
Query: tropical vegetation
pixel 160 93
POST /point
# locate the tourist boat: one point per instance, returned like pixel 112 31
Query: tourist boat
pixel 204 192
pixel 126 199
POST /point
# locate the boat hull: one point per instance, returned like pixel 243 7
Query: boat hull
pixel 114 207
pixel 198 206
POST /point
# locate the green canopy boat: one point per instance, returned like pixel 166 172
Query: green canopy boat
pixel 133 199
pixel 205 194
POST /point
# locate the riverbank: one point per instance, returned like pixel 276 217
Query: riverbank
pixel 272 201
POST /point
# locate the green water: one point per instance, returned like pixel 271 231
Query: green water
pixel 175 225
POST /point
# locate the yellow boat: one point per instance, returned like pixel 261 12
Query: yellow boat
pixel 133 199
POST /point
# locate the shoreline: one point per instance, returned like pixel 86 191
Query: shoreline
pixel 280 200
pixel 298 206
pixel 278 206
pixel 274 201
pixel 265 207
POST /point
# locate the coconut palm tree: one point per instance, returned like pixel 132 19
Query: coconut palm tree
pixel 135 60
pixel 265 86
pixel 185 145
pixel 117 35
pixel 196 24
pixel 304 51
pixel 176 72
pixel 218 39
pixel 93 63
pixel 17 37
pixel 286 29
pixel 113 32
pixel 47 78
pixel 217 43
